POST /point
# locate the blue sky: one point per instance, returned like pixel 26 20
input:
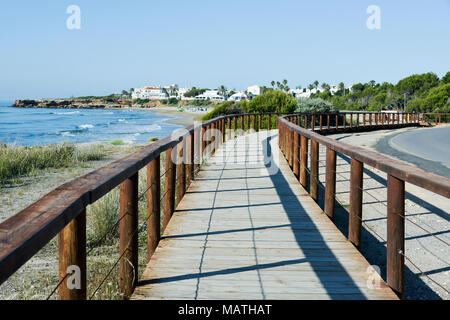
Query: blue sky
pixel 124 44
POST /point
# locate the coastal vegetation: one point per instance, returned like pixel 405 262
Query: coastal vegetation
pixel 415 93
pixel 275 101
pixel 17 161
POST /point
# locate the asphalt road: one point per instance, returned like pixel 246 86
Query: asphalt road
pixel 427 148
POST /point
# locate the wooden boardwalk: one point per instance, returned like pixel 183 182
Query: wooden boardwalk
pixel 246 229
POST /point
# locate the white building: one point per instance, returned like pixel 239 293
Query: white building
pixel 303 93
pixel 239 96
pixel 151 93
pixel 212 95
pixel 182 91
pixel 255 90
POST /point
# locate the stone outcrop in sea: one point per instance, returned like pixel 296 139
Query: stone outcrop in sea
pixel 72 103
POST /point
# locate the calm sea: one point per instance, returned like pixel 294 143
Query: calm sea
pixel 29 127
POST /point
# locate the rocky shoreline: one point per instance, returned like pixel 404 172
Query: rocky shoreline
pixel 73 103
pixel 95 103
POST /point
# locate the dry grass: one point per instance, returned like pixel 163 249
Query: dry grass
pixel 17 162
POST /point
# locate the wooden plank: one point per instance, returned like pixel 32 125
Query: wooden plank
pixel 242 233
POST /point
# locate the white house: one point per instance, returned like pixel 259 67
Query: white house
pixel 151 93
pixel 212 95
pixel 181 92
pixel 255 90
pixel 303 93
pixel 239 96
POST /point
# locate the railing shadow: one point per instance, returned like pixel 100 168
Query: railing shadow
pixel 374 250
pixel 293 213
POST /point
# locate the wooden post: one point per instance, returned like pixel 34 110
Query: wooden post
pixel 337 122
pixel 259 122
pixel 181 176
pixel 235 126
pixel 187 159
pixel 314 176
pixel 254 122
pixel 72 258
pixel 396 234
pixel 242 125
pixel 248 123
pixel 330 187
pixel 303 161
pixel 320 120
pixel 129 235
pixel 296 154
pixel 229 129
pixel 313 122
pixel 203 142
pixel 153 206
pixel 269 123
pixel 212 136
pixel 328 122
pixel 222 129
pixel 289 147
pixel 355 216
pixel 191 165
pixel 169 188
pixel 198 144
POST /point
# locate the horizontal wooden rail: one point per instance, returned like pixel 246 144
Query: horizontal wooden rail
pixel 398 173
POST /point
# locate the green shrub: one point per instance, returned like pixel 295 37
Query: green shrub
pixel 117 142
pixel 272 101
pixel 226 108
pixel 314 105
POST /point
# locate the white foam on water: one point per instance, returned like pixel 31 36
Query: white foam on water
pixel 86 126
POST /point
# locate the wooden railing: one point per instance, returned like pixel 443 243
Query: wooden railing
pixel 63 211
pixel 435 118
pixel 294 142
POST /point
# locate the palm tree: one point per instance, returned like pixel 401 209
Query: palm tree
pixel 325 86
pixel 273 84
pixel 222 90
pixel 285 82
pixel 310 87
pixel 316 84
pixel 341 87
pixel 278 84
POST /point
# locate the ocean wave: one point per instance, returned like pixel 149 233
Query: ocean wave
pixel 66 113
pixel 66 134
pixel 86 126
pixel 147 129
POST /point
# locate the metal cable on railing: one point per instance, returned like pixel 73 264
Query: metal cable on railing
pixel 383 203
pixel 382 215
pixel 137 230
pixel 106 234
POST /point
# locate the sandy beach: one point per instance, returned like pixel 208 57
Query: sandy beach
pixel 185 118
